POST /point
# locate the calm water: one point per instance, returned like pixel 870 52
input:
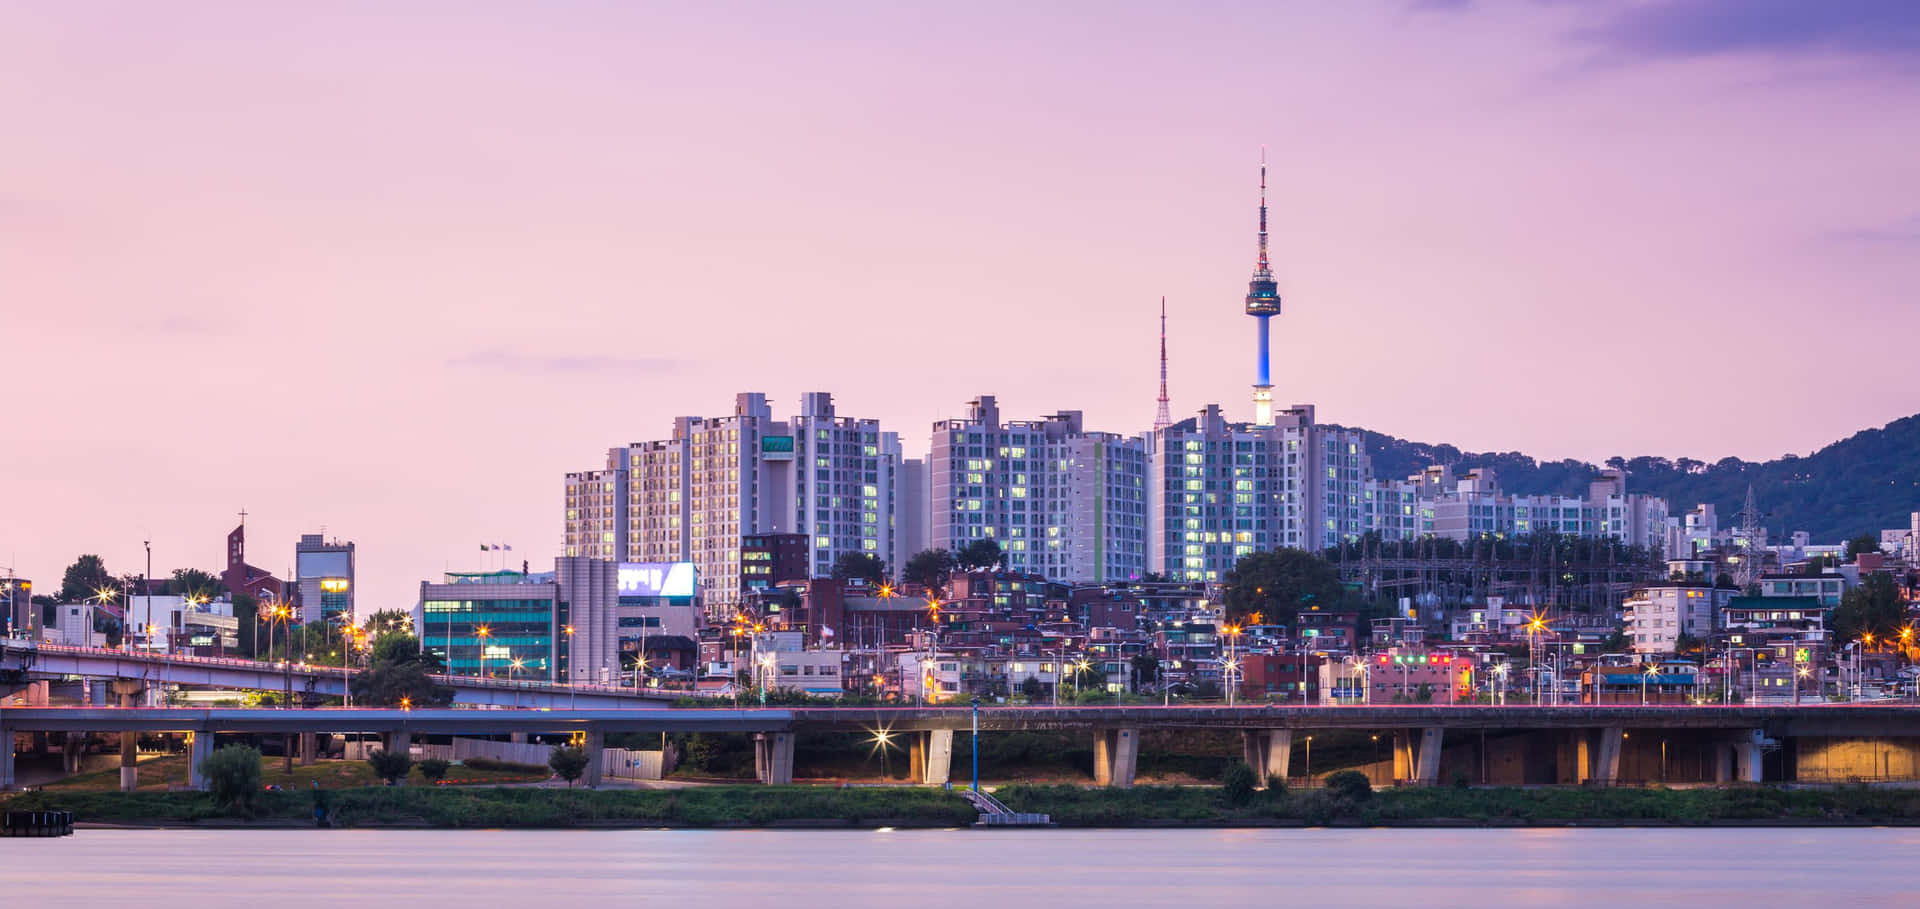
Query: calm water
pixel 1055 869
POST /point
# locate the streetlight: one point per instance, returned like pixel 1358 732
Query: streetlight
pixel 573 668
pixel 1229 667
pixel 1652 670
pixel 976 744
pixel 483 632
pixel 512 669
pixel 1309 767
pixel 766 669
pixel 1500 685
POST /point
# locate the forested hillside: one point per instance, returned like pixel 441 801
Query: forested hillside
pixel 1865 483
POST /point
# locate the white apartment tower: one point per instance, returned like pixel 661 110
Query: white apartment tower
pixel 692 497
pixel 1061 501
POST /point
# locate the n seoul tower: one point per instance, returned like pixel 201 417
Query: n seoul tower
pixel 1263 303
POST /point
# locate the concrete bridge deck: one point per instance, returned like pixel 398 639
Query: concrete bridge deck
pixel 1575 743
pixel 55 662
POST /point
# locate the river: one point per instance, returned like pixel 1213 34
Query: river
pixel 908 869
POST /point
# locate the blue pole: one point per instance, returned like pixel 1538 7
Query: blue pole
pixel 976 744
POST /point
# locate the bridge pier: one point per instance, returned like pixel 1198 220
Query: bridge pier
pixel 596 746
pixel 400 741
pixel 773 757
pixel 128 691
pixel 930 757
pixel 1416 755
pixel 1746 756
pixel 309 748
pixel 199 750
pixel 1600 761
pixel 1268 752
pixel 1116 752
pixel 6 759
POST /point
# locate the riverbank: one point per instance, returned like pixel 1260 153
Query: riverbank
pixel 1069 806
pixel 1153 806
pixel 495 807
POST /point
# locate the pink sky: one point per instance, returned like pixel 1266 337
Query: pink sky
pixel 394 273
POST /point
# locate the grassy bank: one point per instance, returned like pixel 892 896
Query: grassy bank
pixel 1072 806
pixel 524 807
pixel 158 774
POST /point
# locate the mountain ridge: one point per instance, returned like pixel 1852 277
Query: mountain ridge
pixel 1864 483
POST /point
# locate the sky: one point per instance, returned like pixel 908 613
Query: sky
pixel 389 270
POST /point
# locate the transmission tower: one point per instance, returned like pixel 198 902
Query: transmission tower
pixel 1750 528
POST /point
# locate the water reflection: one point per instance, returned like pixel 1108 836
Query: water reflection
pixel 906 869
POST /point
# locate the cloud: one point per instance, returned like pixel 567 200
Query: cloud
pixel 1437 6
pixel 502 360
pixel 1898 234
pixel 1673 29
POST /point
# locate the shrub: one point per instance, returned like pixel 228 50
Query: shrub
pixel 1237 783
pixel 568 762
pixel 391 766
pixel 232 773
pixel 1351 785
pixel 1462 781
pixel 434 769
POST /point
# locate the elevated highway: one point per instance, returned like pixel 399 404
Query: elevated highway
pixel 91 669
pixel 1512 744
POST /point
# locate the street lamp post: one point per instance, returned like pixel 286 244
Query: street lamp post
pixel 976 744
pixel 483 633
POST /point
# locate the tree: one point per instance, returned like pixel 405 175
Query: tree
pixel 1863 543
pixel 862 565
pixel 1146 670
pixel 1279 584
pixel 397 669
pixel 192 582
pixel 232 773
pixel 929 568
pixel 980 554
pixel 84 578
pixel 1874 608
pixel 1032 688
pixel 385 621
pixel 568 762
pixel 391 766
pixel 1238 783
pixel 434 769
pixel 246 611
pixel 1351 785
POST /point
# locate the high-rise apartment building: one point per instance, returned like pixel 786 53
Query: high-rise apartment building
pixel 1221 490
pixel 323 578
pixel 597 510
pixel 692 497
pixel 1061 501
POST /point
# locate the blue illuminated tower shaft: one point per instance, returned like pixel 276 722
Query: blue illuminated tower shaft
pixel 1263 303
pixel 1263 369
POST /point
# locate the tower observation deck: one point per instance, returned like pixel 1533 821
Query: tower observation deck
pixel 1263 303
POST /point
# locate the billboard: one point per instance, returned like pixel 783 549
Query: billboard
pixel 656 579
pixel 776 448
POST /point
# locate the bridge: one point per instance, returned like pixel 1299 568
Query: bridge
pixel 1575 744
pixel 87 674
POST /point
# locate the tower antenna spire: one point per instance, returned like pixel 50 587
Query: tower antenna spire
pixel 1163 418
pixel 1264 266
pixel 1263 303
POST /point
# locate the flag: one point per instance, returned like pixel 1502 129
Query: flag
pixel 483 547
pixel 508 548
pixel 496 547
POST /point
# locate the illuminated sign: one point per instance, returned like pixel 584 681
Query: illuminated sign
pixel 776 448
pixel 334 585
pixel 656 579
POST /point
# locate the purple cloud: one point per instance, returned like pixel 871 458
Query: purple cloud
pixel 1898 234
pixel 1699 28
